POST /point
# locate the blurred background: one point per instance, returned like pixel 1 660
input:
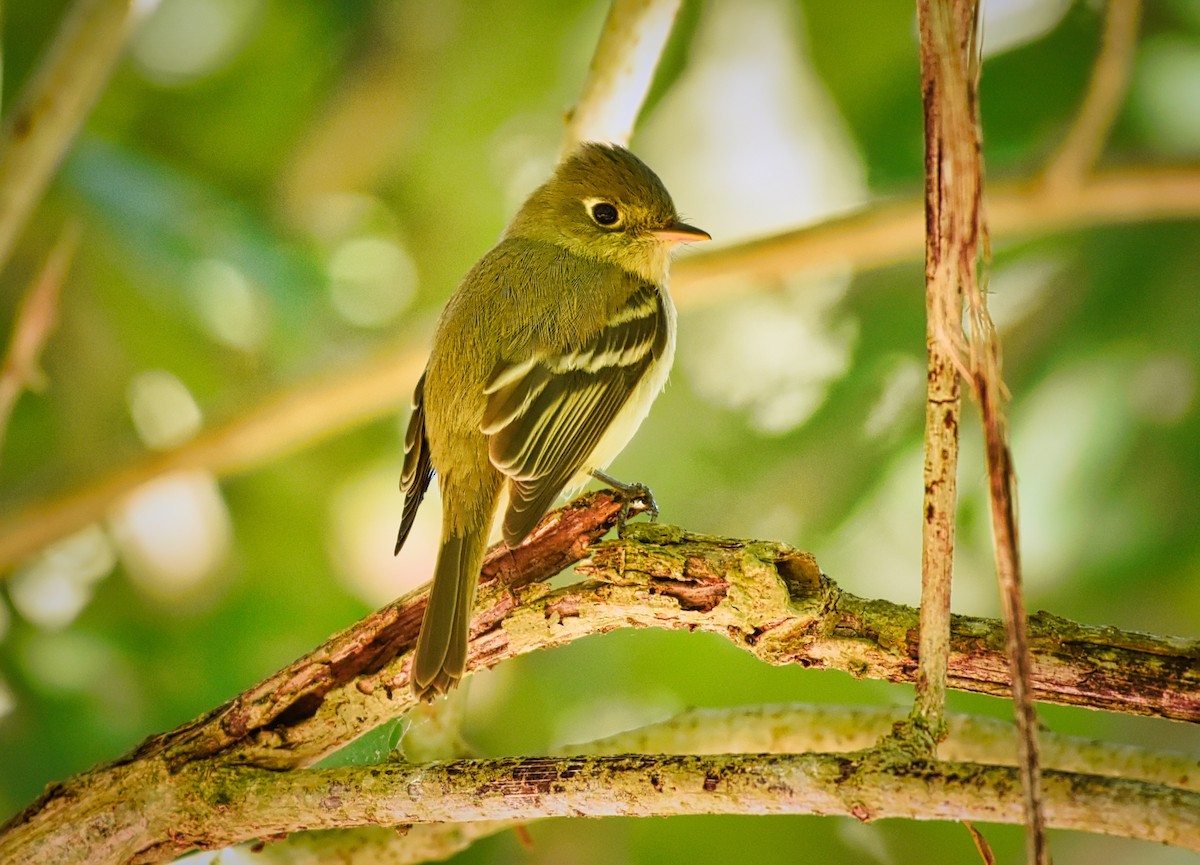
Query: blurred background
pixel 271 191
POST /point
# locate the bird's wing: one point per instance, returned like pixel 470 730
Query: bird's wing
pixel 418 468
pixel 546 413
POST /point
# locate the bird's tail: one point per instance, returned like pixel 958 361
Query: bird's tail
pixel 442 645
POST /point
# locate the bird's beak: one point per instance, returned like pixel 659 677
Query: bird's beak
pixel 680 232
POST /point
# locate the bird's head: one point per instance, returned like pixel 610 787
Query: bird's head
pixel 605 203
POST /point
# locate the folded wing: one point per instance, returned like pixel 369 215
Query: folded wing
pixel 546 413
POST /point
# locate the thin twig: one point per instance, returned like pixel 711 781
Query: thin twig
pixel 622 70
pixel 55 102
pixel 313 410
pixel 35 321
pixel 988 387
pixel 889 233
pixel 981 844
pixel 1106 90
pixel 284 422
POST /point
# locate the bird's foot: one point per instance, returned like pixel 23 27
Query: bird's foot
pixel 632 493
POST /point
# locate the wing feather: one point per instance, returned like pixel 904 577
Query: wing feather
pixel 547 412
pixel 418 466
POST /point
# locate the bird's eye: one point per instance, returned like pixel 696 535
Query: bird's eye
pixel 605 214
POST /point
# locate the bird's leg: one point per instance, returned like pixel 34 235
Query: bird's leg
pixel 632 492
pixel 506 580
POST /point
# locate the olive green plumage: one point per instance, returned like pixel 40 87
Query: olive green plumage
pixel 544 362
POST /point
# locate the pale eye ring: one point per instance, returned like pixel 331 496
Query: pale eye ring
pixel 605 214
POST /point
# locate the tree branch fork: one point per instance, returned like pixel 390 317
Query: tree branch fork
pixel 221 778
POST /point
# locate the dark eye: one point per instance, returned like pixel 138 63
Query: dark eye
pixel 605 214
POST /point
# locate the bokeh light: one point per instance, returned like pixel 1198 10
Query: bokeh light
pixel 230 306
pixel 187 39
pixel 162 409
pixel 1167 88
pixel 54 586
pixel 371 280
pixel 174 533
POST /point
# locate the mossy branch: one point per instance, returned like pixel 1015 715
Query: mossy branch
pixel 231 804
pixel 766 597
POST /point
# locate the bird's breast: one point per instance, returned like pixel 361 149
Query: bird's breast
pixel 630 416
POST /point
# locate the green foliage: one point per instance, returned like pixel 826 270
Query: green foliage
pixel 213 215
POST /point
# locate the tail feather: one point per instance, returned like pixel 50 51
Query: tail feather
pixel 441 655
pixel 418 465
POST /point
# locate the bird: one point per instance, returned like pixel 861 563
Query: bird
pixel 544 362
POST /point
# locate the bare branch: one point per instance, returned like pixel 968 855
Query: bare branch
pixel 55 102
pixel 35 321
pixel 781 729
pixel 1106 90
pixel 287 421
pixel 889 233
pixel 622 70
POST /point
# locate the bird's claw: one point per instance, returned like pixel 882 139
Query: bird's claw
pixel 632 493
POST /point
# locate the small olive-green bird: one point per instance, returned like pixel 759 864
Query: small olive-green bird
pixel 544 363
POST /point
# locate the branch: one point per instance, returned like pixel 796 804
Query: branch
pixel 56 101
pixel 214 807
pixel 955 231
pixel 289 420
pixel 254 802
pixel 35 321
pixel 782 729
pixel 318 408
pixel 791 728
pixel 1106 89
pixel 291 719
pixel 889 233
pixel 767 598
pixel 758 730
pixel 952 192
pixel 635 33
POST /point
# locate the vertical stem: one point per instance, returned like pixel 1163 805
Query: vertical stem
pixel 942 409
pixel 948 231
pixel 954 230
pixel 1008 573
pixel 630 46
